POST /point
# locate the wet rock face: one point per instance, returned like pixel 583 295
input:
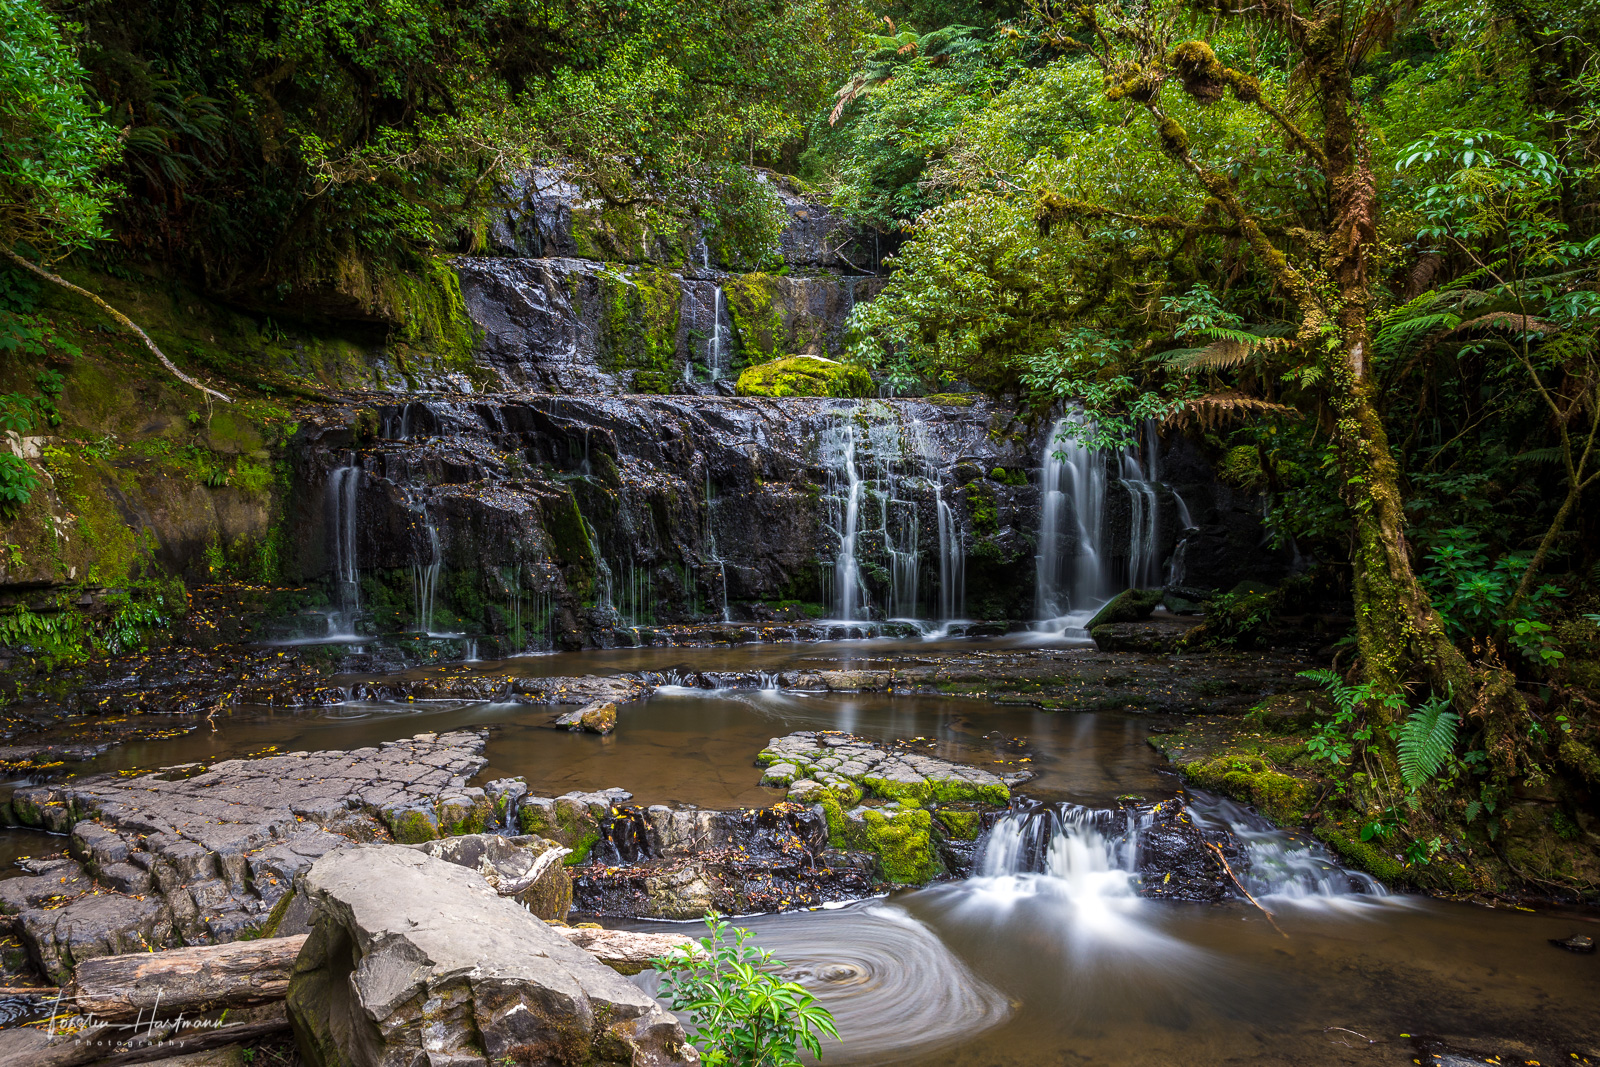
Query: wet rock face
pixel 415 960
pixel 212 851
pixel 527 869
pixel 667 864
pixel 541 521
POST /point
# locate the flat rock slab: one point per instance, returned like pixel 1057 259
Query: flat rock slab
pixel 203 854
pixel 849 764
pixel 415 960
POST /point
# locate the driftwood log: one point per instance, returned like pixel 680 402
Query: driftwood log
pixel 162 984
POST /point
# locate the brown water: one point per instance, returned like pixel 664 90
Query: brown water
pixel 685 746
pixel 1006 970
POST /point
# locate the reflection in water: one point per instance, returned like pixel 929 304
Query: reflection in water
pixel 695 746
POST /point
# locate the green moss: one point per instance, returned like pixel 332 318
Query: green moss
pixel 1363 855
pixel 753 309
pixel 805 376
pixel 963 825
pixel 1283 799
pixel 951 400
pixel 411 827
pixel 1130 605
pixel 581 847
pixel 639 326
pixel 456 819
pixel 904 844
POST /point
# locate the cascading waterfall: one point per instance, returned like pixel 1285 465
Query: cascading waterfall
pixel 714 356
pixel 713 556
pixel 871 511
pixel 952 565
pixel 1095 852
pixel 425 576
pixel 340 518
pixel 1144 552
pixel 1072 490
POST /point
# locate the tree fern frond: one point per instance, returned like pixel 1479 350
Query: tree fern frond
pixel 1427 737
pixel 1215 408
pixel 1538 455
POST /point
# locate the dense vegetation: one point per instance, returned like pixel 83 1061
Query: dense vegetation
pixel 1353 247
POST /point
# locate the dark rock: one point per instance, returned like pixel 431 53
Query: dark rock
pixel 1576 943
pixel 1151 636
pixel 415 960
pixel 94 924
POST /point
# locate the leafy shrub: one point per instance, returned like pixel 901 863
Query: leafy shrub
pixel 742 1015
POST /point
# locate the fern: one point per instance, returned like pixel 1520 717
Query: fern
pixel 1427 738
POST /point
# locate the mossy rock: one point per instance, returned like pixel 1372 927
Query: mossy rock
pixel 411 826
pixel 805 376
pixel 962 825
pixel 465 815
pixel 1284 799
pixel 903 842
pixel 1364 855
pixel 951 400
pixel 1130 605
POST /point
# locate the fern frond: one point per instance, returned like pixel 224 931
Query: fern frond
pixel 1538 455
pixel 1427 737
pixel 1215 408
pixel 1505 320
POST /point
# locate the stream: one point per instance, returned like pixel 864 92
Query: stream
pixel 1046 954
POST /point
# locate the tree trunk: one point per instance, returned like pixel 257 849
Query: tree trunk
pixel 164 984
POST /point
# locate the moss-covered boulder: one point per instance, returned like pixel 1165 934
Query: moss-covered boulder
pixel 1280 797
pixel 1130 605
pixel 805 376
pixel 902 838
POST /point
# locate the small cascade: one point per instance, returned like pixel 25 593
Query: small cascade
pixel 872 510
pixel 340 519
pixel 1144 551
pixel 714 350
pixel 1073 489
pixel 1178 567
pixel 952 565
pixel 1098 852
pixel 604 585
pixel 425 575
pixel 1284 866
pixel 712 555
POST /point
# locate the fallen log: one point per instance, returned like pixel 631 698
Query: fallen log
pixel 162 984
pixel 625 951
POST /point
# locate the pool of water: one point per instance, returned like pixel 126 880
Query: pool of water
pixel 1064 965
pixel 694 746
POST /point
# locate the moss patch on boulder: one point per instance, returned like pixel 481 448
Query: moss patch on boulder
pixel 1280 797
pixel 804 376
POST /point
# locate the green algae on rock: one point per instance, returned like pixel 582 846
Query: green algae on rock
pixel 805 376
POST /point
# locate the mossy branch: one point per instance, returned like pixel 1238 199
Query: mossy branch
pixel 118 316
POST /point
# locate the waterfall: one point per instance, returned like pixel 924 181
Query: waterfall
pixel 425 576
pixel 714 355
pixel 952 565
pixel 712 554
pixel 604 591
pixel 1144 552
pixel 340 522
pixel 1096 851
pixel 838 453
pixel 1072 490
pixel 872 512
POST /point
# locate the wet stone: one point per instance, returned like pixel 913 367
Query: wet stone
pixel 212 852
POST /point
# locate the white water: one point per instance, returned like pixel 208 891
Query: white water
pixel 340 520
pixel 877 469
pixel 713 556
pixel 425 577
pixel 1071 572
pixel 714 359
